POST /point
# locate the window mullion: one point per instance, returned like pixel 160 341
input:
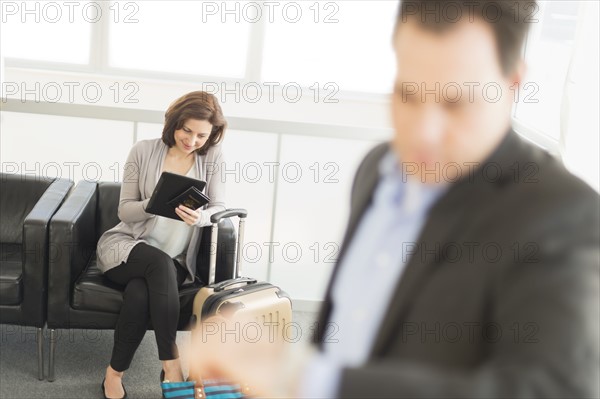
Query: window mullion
pixel 99 40
pixel 254 57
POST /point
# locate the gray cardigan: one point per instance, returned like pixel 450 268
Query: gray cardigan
pixel 141 172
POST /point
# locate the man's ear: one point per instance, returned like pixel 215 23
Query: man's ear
pixel 518 74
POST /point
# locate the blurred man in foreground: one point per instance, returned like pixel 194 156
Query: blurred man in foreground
pixel 470 265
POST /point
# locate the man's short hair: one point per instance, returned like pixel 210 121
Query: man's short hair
pixel 509 20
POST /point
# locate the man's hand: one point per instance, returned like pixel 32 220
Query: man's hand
pixel 237 352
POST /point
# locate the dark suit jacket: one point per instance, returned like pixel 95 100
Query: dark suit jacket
pixel 501 297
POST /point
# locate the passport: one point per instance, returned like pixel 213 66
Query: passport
pixel 192 198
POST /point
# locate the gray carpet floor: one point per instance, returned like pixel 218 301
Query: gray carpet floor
pixel 81 360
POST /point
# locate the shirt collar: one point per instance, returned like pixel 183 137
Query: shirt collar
pixel 409 194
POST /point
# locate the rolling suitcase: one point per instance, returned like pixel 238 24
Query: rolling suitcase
pixel 242 297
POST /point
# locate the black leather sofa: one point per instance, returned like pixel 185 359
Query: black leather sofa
pixel 79 296
pixel 27 203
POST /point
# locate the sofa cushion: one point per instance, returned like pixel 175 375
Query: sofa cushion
pixel 93 291
pixel 11 273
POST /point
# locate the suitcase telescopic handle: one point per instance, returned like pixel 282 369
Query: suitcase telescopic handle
pixel 227 213
pixel 215 218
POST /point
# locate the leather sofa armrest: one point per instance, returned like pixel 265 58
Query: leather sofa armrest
pixel 36 251
pixel 73 241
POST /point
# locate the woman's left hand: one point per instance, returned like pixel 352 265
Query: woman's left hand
pixel 188 215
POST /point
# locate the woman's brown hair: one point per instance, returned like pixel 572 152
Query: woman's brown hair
pixel 198 105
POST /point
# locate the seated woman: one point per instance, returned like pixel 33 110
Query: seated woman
pixel 152 256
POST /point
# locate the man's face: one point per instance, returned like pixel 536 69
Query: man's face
pixel 451 104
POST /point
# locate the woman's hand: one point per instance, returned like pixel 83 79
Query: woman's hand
pixel 188 215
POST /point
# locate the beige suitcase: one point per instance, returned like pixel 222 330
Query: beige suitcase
pixel 241 298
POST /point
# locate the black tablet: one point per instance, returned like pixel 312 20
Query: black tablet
pixel 172 190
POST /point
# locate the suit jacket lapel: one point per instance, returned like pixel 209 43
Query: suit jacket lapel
pixel 446 219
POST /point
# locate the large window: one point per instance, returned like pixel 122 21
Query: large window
pixel 178 37
pixel 548 52
pixel 339 43
pixel 324 46
pixel 48 31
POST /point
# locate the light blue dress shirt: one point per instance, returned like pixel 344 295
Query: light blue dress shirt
pixel 369 272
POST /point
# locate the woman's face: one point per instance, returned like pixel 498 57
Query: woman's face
pixel 193 134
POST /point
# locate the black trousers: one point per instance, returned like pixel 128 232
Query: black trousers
pixel 151 279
